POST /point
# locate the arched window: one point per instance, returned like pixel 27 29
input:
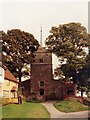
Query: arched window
pixel 41 84
pixel 41 60
pixel 41 91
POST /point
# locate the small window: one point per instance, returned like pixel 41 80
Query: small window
pixel 41 60
pixel 34 60
pixel 41 84
pixel 14 94
pixel 41 91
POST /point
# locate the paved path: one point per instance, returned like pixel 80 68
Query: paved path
pixel 57 114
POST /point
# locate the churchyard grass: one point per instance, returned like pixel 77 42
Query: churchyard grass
pixel 70 105
pixel 25 110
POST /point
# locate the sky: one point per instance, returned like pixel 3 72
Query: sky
pixel 29 15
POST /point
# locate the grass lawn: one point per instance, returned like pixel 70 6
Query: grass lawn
pixel 70 105
pixel 25 110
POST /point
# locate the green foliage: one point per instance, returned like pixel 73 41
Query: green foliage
pixel 67 42
pixel 18 48
pixel 84 75
pixel 58 72
pixel 5 101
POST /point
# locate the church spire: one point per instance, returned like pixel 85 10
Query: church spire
pixel 41 36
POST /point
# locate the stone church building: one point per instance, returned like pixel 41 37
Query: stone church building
pixel 42 85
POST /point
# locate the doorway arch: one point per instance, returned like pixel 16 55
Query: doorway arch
pixel 41 92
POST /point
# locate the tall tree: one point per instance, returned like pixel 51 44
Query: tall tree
pixel 67 42
pixel 18 48
pixel 84 75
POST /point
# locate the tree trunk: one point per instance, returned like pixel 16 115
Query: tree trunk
pixel 20 76
pixel 75 77
pixel 81 92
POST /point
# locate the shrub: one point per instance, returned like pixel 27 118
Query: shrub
pixel 5 101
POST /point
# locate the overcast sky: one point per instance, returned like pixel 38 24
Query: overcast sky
pixel 29 16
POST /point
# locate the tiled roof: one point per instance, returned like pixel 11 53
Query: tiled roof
pixel 9 75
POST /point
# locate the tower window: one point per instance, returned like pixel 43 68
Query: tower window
pixel 41 83
pixel 41 60
pixel 41 91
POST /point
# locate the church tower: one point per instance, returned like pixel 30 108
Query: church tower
pixel 42 84
pixel 41 73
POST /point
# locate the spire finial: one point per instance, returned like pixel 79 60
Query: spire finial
pixel 41 35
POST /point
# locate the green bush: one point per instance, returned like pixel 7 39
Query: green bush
pixel 5 101
pixel 24 99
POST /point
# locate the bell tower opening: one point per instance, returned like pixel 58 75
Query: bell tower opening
pixel 41 60
pixel 41 84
